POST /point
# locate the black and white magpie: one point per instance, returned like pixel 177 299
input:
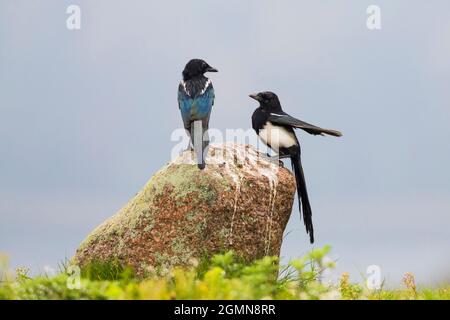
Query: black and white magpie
pixel 195 100
pixel 276 129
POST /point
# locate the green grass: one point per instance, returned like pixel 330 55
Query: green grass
pixel 222 277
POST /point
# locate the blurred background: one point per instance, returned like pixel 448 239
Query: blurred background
pixel 86 117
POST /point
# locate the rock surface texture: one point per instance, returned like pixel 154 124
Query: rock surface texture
pixel 239 202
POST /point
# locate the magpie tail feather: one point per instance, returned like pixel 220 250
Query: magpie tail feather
pixel 303 200
pixel 199 142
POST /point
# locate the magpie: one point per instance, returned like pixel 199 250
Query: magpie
pixel 276 129
pixel 195 100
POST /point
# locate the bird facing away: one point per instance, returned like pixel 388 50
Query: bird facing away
pixel 195 100
pixel 276 129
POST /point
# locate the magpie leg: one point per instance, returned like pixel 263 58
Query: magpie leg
pixel 189 147
pixel 274 159
pixel 280 156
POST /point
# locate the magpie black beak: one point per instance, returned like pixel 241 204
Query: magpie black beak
pixel 211 69
pixel 255 96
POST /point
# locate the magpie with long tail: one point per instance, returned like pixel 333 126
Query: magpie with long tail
pixel 195 100
pixel 276 129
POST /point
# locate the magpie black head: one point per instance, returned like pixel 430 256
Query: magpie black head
pixel 267 100
pixel 195 68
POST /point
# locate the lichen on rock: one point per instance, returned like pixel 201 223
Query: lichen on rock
pixel 239 202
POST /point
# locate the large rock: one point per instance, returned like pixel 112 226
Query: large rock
pixel 239 202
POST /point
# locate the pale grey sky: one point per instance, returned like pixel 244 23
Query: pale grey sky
pixel 86 117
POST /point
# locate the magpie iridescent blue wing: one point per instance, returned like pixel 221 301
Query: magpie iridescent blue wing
pixel 284 119
pixel 203 102
pixel 195 101
pixel 185 103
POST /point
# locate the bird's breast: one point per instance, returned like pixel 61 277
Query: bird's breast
pixel 277 137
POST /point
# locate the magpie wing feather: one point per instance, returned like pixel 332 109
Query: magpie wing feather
pixel 287 120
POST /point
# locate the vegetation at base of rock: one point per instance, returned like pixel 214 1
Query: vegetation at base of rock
pixel 222 277
pixel 111 270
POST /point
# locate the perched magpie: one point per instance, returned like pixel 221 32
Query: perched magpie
pixel 195 100
pixel 276 128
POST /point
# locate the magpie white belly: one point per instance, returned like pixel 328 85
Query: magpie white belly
pixel 276 137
